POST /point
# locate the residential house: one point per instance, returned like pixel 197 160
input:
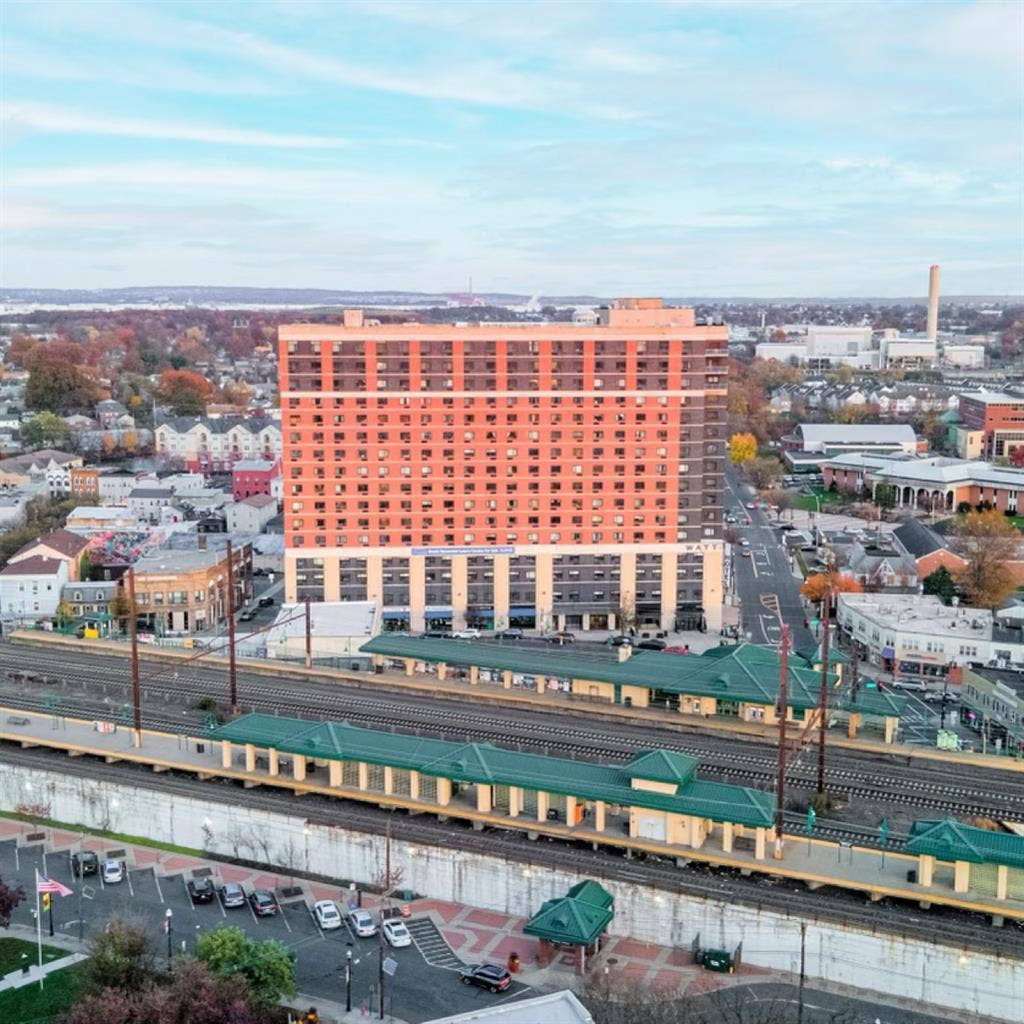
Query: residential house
pixel 90 600
pixel 47 468
pixel 250 515
pixel 147 504
pixel 30 589
pixel 253 476
pixel 877 564
pixel 928 548
pixel 91 519
pixel 60 544
pixel 111 413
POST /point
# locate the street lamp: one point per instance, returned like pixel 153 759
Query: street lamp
pixel 348 977
pixel 167 928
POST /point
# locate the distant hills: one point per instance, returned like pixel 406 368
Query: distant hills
pixel 226 296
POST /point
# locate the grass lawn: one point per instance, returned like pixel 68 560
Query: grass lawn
pixel 825 498
pixel 11 950
pixel 34 1004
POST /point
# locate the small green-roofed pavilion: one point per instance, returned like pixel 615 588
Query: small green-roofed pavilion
pixel 662 766
pixel 589 891
pixel 577 919
pixel 947 839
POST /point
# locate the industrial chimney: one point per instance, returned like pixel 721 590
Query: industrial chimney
pixel 933 301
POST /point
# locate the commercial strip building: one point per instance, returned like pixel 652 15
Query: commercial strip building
pixel 918 637
pixel 548 476
pixel 738 682
pixel 936 483
pixel 182 591
pixel 992 703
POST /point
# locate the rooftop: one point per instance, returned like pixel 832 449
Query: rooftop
pixel 488 764
pixel 552 1008
pixel 921 613
pixel 64 541
pixel 164 493
pixel 857 433
pixel 992 398
pixel 918 539
pixel 952 840
pixel 35 565
pixel 253 466
pixel 327 619
pixel 166 560
pixel 259 501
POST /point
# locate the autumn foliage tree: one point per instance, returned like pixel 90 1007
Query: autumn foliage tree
pixel 742 448
pixel 820 585
pixel 57 380
pixel 185 391
pixel 987 542
pixel 10 897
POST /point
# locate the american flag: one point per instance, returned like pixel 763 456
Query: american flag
pixel 49 885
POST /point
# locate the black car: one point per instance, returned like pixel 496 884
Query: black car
pixel 84 863
pixel 201 890
pixel 509 634
pixel 562 637
pixel 434 634
pixel 489 976
pixel 619 641
pixel 266 602
pixel 651 645
pixel 263 903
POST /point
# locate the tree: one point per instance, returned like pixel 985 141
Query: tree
pixel 119 607
pixel 763 472
pixel 941 584
pixel 64 613
pixel 120 958
pixel 267 966
pixel 843 374
pixel 885 496
pixel 10 897
pixel 820 584
pixel 44 430
pixel 185 391
pixel 781 499
pixel 236 393
pixel 57 381
pixel 742 448
pixel 987 541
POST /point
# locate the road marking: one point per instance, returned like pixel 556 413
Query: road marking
pixel 251 911
pixel 128 878
pixel 284 917
pixel 160 892
pixel 17 858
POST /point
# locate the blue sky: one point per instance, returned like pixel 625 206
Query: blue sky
pixel 677 148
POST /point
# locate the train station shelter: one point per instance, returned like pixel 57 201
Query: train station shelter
pixel 577 920
pixel 738 681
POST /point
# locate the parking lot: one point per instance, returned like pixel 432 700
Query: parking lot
pixel 157 883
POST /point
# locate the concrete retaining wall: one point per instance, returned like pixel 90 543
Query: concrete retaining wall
pixel 939 975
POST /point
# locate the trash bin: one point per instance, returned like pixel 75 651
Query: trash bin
pixel 719 960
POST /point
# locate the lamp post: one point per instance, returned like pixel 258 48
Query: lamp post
pixel 348 978
pixel 167 928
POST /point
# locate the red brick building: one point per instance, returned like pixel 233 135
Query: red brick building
pixel 253 476
pixel 556 475
pixel 1000 418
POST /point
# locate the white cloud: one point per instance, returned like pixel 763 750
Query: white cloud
pixel 63 121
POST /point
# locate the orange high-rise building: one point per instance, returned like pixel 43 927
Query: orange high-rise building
pixel 544 475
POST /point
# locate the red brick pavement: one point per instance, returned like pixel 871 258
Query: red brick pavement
pixel 488 918
pixel 446 911
pixel 633 949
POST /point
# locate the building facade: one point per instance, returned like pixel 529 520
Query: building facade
pixel 999 417
pixel 251 514
pixel 253 476
pixel 204 445
pixel 549 476
pixel 30 589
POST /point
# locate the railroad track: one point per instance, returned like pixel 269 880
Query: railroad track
pixel 939 925
pixel 725 759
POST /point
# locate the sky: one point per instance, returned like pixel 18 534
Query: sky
pixel 677 148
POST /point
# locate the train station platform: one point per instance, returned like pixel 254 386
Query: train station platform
pixel 994 886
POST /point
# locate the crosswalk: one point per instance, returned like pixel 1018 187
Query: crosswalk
pixel 432 945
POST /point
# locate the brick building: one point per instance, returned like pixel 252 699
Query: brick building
pixel 542 475
pixel 253 476
pixel 999 418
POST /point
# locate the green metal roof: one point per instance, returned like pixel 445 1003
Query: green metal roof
pixel 949 839
pixel 812 655
pixel 741 672
pixel 662 766
pixel 488 764
pixel 589 891
pixel 569 921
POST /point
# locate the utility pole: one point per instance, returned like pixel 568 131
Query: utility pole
pixel 803 963
pixel 309 637
pixel 232 678
pixel 348 978
pixel 823 695
pixel 854 671
pixel 780 711
pixel 134 637
pixel 380 966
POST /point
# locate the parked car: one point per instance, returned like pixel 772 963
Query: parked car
pixel 676 649
pixel 327 914
pixel 362 923
pixel 232 895
pixel 113 872
pixel 434 634
pixel 248 615
pixel 201 890
pixel 909 684
pixel 263 903
pixel 619 641
pixel 489 976
pixel 744 542
pixel 509 634
pixel 466 634
pixel 654 644
pixel 266 602
pixel 84 863
pixel 561 637
pixel 396 933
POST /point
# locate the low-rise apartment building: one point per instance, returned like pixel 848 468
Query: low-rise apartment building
pixel 180 591
pixel 918 637
pixel 212 445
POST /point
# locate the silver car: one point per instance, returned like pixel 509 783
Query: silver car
pixel 362 923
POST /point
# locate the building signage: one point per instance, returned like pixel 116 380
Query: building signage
pixel 448 552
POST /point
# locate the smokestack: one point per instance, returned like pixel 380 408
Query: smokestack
pixel 933 301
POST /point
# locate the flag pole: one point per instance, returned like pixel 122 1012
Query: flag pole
pixel 39 930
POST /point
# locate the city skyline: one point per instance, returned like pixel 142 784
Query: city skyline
pixel 692 148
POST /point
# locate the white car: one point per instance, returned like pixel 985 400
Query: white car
pixel 362 923
pixel 327 914
pixel 396 933
pixel 466 634
pixel 113 871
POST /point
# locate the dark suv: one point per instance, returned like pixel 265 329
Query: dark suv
pixel 263 903
pixel 201 890
pixel 84 863
pixel 489 976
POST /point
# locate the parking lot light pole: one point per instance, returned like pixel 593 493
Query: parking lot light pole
pixel 348 978
pixel 167 927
